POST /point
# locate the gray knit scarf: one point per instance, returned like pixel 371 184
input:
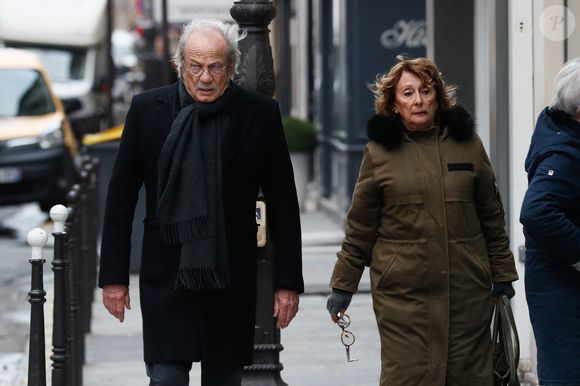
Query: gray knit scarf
pixel 190 191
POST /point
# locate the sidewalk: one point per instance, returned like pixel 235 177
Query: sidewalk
pixel 313 354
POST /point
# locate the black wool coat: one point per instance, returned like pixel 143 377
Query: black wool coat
pixel 214 326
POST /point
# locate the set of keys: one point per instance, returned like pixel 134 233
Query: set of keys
pixel 346 337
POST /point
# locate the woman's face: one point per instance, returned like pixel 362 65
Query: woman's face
pixel 415 103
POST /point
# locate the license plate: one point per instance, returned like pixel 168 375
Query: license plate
pixel 10 175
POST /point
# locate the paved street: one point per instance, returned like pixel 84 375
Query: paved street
pixel 314 354
pixel 14 286
pixel 14 322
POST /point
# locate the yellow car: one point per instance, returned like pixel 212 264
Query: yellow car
pixel 38 149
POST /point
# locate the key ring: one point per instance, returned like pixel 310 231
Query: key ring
pixel 346 337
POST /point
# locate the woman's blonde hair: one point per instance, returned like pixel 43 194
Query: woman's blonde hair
pixel 385 85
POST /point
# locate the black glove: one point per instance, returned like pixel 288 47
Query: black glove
pixel 503 288
pixel 338 300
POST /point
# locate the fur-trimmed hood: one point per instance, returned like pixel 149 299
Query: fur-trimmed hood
pixel 389 131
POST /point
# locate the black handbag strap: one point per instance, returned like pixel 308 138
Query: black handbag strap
pixel 504 332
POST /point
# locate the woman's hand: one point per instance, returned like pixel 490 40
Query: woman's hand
pixel 337 302
pixel 503 288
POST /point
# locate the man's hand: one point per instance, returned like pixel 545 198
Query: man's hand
pixel 116 299
pixel 285 307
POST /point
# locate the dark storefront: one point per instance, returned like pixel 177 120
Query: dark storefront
pixel 353 43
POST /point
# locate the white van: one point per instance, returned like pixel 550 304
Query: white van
pixel 69 38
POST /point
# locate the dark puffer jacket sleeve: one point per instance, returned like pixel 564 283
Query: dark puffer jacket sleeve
pixel 554 189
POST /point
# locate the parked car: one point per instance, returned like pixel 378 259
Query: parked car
pixel 38 150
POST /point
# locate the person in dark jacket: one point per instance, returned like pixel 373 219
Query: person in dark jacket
pixel 551 218
pixel 202 147
pixel 427 219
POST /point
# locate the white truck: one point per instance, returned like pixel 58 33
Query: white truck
pixel 69 36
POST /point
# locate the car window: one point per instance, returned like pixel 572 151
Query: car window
pixel 61 64
pixel 24 93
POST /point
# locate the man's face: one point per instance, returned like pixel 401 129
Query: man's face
pixel 206 70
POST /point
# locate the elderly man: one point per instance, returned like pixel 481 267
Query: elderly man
pixel 203 147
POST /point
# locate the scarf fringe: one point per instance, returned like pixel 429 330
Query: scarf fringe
pixel 190 229
pixel 198 279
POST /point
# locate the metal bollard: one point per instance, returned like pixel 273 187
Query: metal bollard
pixel 60 265
pixel 257 74
pixel 76 333
pixel 85 268
pixel 37 239
pixel 95 217
pixel 91 232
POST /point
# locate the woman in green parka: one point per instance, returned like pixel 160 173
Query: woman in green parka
pixel 427 219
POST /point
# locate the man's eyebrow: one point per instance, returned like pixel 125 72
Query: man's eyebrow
pixel 196 62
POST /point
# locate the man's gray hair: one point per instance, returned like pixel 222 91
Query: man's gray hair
pixel 567 91
pixel 230 32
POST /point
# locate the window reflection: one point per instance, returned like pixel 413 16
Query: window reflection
pixel 24 93
pixel 61 64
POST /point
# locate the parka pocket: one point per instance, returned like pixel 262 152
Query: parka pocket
pixel 398 266
pixel 462 219
pixel 472 260
pixel 403 217
pixel 379 275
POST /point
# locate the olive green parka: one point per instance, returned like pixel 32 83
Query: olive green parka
pixel 427 218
